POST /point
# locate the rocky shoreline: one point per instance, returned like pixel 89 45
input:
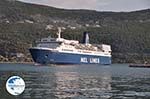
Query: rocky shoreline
pixel 15 59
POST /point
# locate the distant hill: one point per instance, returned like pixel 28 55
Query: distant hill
pixel 22 23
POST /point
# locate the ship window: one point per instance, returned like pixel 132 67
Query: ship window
pixel 46 56
pixel 67 50
pixel 49 45
pixel 86 52
pixel 45 40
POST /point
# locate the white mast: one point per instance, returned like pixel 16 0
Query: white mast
pixel 59 33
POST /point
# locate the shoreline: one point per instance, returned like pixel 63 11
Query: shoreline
pixel 35 63
pixel 32 63
pixel 17 63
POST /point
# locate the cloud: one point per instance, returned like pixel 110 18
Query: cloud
pixel 148 2
pixel 100 5
pixel 124 5
pixel 69 4
pixel 82 4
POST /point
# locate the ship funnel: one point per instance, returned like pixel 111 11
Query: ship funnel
pixel 85 38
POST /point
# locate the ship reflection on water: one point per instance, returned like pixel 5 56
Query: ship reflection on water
pixel 67 84
pixel 79 85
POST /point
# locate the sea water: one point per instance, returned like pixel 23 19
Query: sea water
pixel 116 81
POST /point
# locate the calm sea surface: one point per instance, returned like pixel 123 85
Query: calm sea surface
pixel 116 81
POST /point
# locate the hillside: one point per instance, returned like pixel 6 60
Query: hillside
pixel 127 32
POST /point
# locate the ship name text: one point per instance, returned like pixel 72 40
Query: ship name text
pixel 90 60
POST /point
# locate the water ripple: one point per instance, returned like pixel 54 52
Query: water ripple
pixel 79 82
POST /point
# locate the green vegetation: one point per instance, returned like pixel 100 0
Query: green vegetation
pixel 127 32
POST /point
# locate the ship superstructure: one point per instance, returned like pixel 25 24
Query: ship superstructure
pixel 61 51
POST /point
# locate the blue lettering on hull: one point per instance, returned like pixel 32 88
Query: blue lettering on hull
pixel 49 57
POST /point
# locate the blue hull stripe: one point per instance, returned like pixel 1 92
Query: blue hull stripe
pixel 49 57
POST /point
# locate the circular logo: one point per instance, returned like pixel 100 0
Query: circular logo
pixel 15 85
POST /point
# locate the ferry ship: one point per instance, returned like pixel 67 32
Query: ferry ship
pixel 62 51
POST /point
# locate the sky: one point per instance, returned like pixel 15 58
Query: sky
pixel 99 5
